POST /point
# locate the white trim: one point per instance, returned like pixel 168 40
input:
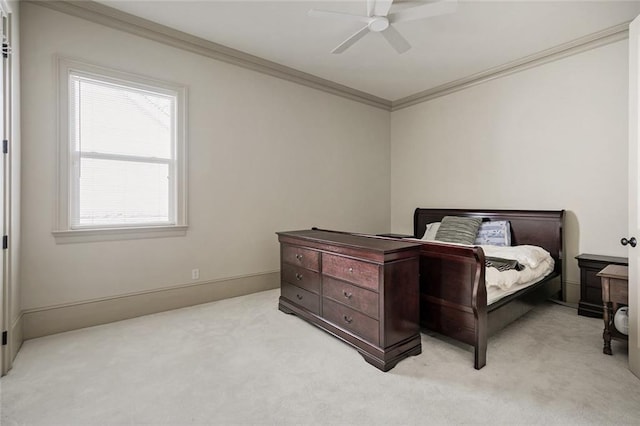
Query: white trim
pixel 15 338
pixel 109 234
pixel 113 18
pixel 101 14
pixel 66 231
pixel 42 321
pixel 6 189
pixel 582 44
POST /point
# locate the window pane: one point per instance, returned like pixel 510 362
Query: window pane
pixel 121 120
pixel 123 192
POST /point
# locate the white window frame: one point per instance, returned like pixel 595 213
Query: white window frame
pixel 67 189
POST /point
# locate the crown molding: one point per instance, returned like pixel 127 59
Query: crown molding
pixel 113 18
pixel 582 44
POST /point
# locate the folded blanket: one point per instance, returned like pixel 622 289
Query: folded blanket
pixel 502 264
pixel 536 260
pixel 527 255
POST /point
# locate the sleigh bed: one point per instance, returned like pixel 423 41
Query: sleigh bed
pixel 453 294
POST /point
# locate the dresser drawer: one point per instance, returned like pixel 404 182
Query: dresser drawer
pixel 365 301
pixel 300 296
pixel 301 277
pixel 361 273
pixel 351 320
pixel 299 256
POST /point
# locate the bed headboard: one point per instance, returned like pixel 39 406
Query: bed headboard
pixel 541 228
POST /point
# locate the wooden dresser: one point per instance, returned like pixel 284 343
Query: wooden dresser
pixel 362 290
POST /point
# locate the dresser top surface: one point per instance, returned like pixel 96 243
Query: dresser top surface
pixel 350 240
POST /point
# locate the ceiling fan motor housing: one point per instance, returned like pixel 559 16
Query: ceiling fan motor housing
pixel 378 23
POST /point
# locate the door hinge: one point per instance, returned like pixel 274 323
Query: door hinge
pixel 5 146
pixel 5 338
pixel 5 242
pixel 6 48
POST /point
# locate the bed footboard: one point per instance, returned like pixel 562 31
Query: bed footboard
pixel 453 297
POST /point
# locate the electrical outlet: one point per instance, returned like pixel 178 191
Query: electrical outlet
pixel 195 274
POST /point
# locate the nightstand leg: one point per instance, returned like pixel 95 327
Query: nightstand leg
pixel 606 334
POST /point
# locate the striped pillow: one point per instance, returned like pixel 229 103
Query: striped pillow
pixel 461 230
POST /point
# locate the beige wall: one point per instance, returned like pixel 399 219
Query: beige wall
pixel 551 137
pixel 264 155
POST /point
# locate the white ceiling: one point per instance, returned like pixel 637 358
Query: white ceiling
pixel 479 36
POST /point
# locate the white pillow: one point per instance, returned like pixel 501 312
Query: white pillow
pixel 430 232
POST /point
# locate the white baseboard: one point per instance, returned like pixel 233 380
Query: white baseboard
pixel 58 319
pixel 15 338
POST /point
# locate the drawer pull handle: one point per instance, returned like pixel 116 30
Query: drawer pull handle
pixel 351 270
pixel 299 256
pixel 299 277
pixel 299 297
pixel 347 319
pixel 346 294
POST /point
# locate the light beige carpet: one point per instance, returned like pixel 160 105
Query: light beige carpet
pixel 241 361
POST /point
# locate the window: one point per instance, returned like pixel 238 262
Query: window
pixel 121 155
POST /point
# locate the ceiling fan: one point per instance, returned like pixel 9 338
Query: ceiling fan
pixel 379 20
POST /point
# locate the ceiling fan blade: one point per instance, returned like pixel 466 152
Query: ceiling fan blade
pixel 351 40
pixel 370 7
pixel 426 11
pixel 395 39
pixel 338 15
pixel 381 7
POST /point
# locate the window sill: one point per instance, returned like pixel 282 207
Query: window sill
pixel 114 234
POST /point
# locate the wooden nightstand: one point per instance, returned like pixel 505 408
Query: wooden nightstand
pixel 590 283
pixel 615 294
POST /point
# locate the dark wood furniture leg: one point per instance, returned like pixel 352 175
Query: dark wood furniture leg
pixel 615 293
pixel 606 334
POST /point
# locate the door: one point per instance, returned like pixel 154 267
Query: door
pixel 5 355
pixel 634 209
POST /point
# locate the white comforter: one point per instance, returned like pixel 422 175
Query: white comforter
pixel 537 261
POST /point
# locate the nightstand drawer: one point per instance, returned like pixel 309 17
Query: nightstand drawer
pixel 301 277
pixel 361 273
pixel 300 296
pixel 299 256
pixel 593 295
pixel 363 300
pixel 351 320
pixel 591 278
